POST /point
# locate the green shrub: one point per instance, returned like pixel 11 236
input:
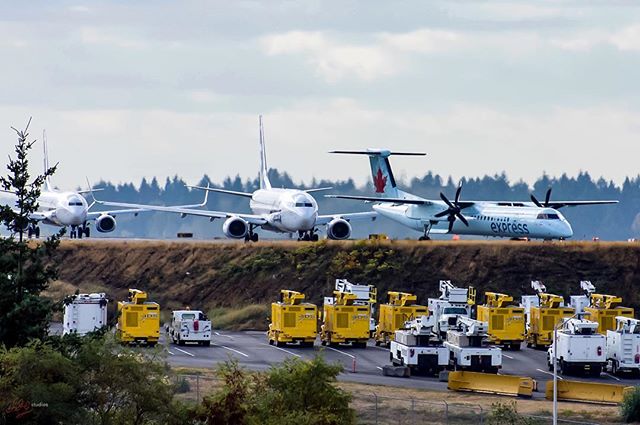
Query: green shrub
pixel 297 392
pixel 507 414
pixel 630 407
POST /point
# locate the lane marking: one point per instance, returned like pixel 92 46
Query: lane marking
pixel 379 348
pixel 614 377
pixel 378 367
pixel 548 373
pixel 509 357
pixel 186 352
pixel 341 352
pixel 281 349
pixel 231 349
pixel 170 353
pixel 226 336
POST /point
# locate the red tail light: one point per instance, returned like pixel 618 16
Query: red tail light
pixel 196 325
pixel 412 352
pixel 599 351
pixel 637 358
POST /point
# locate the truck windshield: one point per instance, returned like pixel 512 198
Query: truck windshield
pixel 454 310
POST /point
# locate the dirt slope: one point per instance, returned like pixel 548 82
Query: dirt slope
pixel 208 274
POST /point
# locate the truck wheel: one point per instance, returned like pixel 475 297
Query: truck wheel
pixel 270 342
pixel 180 342
pixel 595 371
pixel 280 344
pixel 207 343
pixel 515 346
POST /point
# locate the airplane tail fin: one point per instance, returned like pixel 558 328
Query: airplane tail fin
pixel 47 180
pixel 384 183
pixel 264 177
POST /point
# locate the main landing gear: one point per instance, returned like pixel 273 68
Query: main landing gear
pixel 309 235
pixel 427 229
pixel 33 231
pixel 79 231
pixel 251 236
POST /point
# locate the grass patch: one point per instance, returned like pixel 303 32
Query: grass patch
pixel 250 317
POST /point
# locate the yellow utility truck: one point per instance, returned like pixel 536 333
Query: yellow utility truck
pixel 548 312
pixel 506 320
pixel 138 319
pixel 401 308
pixel 293 320
pixel 601 308
pixel 345 320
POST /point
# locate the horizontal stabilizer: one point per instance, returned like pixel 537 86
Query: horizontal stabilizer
pixel 379 152
pixel 317 189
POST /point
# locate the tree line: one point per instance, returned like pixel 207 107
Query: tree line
pixel 608 222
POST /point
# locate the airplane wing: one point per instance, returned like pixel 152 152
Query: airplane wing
pixel 95 214
pixel 384 200
pixel 212 215
pixel 325 219
pixel 228 192
pixel 560 204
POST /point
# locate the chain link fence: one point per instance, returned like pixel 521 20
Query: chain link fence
pixel 372 409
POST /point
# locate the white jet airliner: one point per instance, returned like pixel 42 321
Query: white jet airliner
pixel 277 210
pixel 481 218
pixel 68 209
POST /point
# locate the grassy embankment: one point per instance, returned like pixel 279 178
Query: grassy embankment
pixel 244 278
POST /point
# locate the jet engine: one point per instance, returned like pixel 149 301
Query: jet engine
pixel 338 229
pixel 235 227
pixel 105 223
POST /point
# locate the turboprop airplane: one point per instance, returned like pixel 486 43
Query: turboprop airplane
pixel 481 218
pixel 68 209
pixel 290 211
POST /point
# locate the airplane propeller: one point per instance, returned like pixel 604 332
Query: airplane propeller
pixel 454 210
pixel 547 198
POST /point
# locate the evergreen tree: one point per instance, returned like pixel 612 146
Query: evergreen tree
pixel 24 272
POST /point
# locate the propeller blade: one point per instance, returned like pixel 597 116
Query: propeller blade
pixel 547 198
pixel 458 190
pixel 462 219
pixel 442 214
pixel 446 201
pixel 451 222
pixel 535 201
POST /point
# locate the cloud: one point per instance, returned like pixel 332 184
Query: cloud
pixel 110 37
pixel 382 55
pixel 627 39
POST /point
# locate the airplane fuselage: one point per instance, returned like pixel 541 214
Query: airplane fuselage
pixel 484 220
pixel 286 210
pixel 65 208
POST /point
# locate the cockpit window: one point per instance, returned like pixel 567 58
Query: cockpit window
pixel 75 202
pixel 304 204
pixel 544 216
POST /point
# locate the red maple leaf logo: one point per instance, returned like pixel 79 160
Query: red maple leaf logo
pixel 379 181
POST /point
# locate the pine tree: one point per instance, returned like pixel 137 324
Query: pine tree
pixel 25 269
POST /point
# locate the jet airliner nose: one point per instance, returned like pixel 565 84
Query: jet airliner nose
pixel 567 231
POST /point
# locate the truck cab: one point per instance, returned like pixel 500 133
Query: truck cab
pixel 190 326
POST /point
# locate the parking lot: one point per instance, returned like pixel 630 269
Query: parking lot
pixel 252 350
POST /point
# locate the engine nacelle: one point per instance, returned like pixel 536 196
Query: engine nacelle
pixel 105 223
pixel 338 229
pixel 235 227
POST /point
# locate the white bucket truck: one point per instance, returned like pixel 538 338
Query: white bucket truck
pixel 467 348
pixel 453 303
pixel 580 348
pixel 190 326
pixel 84 313
pixel 417 348
pixel 623 346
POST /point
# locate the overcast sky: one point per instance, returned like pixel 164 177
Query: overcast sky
pixel 131 89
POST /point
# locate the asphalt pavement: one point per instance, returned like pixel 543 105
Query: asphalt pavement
pixel 252 350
